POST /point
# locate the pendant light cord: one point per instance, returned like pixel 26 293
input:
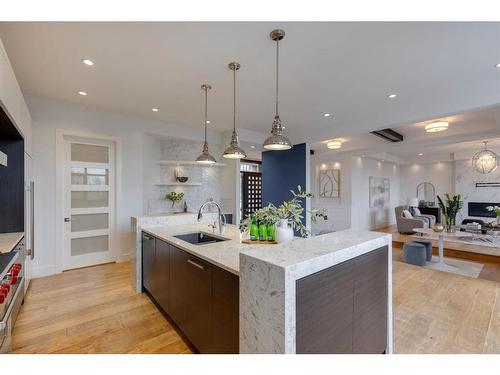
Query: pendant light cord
pixel 234 100
pixel 206 112
pixel 277 72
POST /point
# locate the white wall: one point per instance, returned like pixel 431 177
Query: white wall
pixel 352 209
pixel 465 183
pixel 440 174
pixel 362 216
pixel 49 115
pixel 338 209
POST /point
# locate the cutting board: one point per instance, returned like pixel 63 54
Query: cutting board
pixel 250 242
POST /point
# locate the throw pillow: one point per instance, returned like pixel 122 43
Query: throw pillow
pixel 415 211
pixel 407 214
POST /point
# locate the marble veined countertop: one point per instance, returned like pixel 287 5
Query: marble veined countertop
pixel 9 240
pixel 307 254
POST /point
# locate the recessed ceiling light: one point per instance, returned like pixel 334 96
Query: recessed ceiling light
pixel 436 126
pixel 392 96
pixel 420 154
pixel 208 121
pixel 334 144
pixel 252 146
pixel 87 62
pixel 363 155
pixel 82 93
pixel 382 160
pixel 326 115
pixel 155 109
pixel 497 65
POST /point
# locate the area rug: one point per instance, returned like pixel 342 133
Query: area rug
pixel 462 267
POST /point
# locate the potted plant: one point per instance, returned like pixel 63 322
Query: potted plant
pixel 287 216
pixel 450 208
pixel 495 209
pixel 174 197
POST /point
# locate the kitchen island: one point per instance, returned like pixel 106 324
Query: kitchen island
pixel 324 294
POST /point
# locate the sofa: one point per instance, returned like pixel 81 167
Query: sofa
pixel 406 224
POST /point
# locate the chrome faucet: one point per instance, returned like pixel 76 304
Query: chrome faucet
pixel 219 216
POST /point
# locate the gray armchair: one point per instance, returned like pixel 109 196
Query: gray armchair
pixel 406 225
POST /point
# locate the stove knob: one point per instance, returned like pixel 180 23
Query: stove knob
pixel 2 298
pixel 13 280
pixel 6 287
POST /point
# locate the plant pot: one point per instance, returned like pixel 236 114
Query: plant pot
pixel 450 228
pixel 284 232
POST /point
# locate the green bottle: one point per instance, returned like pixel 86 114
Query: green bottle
pixel 271 232
pixel 262 231
pixel 254 230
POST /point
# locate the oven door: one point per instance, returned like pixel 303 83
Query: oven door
pixel 7 324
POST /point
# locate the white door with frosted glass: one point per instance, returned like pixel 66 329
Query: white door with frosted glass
pixel 89 203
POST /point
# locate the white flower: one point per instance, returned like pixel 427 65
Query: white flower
pixel 490 208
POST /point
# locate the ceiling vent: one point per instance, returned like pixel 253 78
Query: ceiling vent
pixel 389 135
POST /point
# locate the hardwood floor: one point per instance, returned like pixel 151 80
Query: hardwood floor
pixel 96 310
pixel 92 310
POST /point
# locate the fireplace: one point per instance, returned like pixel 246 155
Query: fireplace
pixel 478 209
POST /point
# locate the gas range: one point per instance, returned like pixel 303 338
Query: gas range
pixel 11 292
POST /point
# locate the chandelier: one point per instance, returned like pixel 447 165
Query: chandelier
pixel 485 161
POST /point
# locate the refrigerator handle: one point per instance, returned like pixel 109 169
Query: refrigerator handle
pixel 32 219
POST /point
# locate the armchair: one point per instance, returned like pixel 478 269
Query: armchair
pixel 406 225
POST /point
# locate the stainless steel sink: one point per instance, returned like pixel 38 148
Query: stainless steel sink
pixel 199 238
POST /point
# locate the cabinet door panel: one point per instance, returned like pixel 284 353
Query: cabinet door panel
pixel 148 251
pixel 225 308
pixel 198 321
pixel 324 311
pixel 162 274
pixel 370 302
pixel 178 288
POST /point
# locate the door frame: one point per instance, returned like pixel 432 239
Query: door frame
pixel 59 203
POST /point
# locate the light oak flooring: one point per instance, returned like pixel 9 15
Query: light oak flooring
pixel 92 310
pixel 95 310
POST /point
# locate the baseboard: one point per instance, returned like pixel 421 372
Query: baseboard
pixel 123 258
pixel 37 272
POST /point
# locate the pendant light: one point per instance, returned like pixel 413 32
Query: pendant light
pixel 277 141
pixel 205 157
pixel 234 151
pixel 485 161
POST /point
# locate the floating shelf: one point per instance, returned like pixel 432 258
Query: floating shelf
pixel 188 162
pixel 178 184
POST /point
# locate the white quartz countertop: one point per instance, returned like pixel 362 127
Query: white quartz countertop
pixel 301 253
pixel 9 240
pixel 302 250
pixel 225 254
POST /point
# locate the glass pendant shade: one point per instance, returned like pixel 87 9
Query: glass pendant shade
pixel 277 141
pixel 234 151
pixel 485 161
pixel 205 157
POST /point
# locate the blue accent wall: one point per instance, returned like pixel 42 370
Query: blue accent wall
pixel 283 171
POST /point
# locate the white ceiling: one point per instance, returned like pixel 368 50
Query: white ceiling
pixel 346 69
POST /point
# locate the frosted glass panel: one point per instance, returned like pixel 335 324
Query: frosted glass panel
pixel 89 222
pixel 88 199
pixel 89 176
pixel 89 153
pixel 88 245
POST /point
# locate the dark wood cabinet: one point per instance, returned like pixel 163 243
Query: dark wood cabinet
pixel 198 304
pixel 225 312
pixel 178 286
pixel 436 211
pixel 343 309
pixel 161 274
pixel 148 254
pixel 201 298
pixel 370 302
